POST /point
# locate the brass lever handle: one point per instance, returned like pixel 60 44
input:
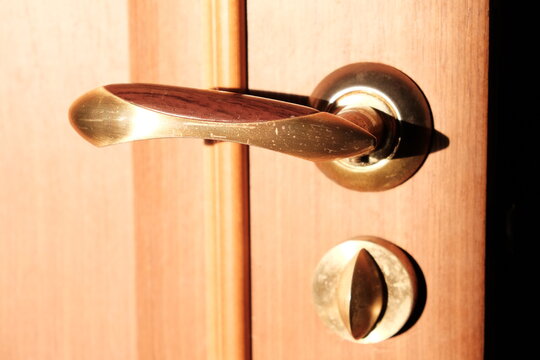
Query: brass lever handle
pixel 369 128
pixel 126 112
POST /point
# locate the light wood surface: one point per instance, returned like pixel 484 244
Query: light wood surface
pixel 437 216
pixel 227 252
pixel 166 48
pixel 226 187
pixel 66 223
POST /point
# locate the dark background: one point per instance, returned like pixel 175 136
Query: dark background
pixel 511 191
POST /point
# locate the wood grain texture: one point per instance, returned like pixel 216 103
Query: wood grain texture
pixel 66 224
pixel 211 105
pixel 437 216
pixel 226 184
pixel 168 190
pixel 227 252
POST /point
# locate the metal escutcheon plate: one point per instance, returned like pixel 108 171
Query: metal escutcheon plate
pixel 335 295
pixel 399 100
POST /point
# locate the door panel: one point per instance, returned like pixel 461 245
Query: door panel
pixel 166 48
pixel 66 221
pixel 297 214
pixel 100 249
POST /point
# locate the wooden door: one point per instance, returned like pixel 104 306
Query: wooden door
pixel 297 214
pixel 101 250
pixel 66 211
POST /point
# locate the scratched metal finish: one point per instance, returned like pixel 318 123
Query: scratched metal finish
pixel 103 119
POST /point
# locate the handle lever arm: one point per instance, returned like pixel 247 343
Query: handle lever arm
pixel 127 112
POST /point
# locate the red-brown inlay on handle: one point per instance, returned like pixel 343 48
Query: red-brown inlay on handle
pixel 220 106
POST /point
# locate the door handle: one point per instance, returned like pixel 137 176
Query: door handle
pixel 126 112
pixel 354 123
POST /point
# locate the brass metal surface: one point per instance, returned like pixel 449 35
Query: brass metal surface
pixel 365 289
pixel 104 119
pixel 365 294
pixel 408 124
pixel 372 133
